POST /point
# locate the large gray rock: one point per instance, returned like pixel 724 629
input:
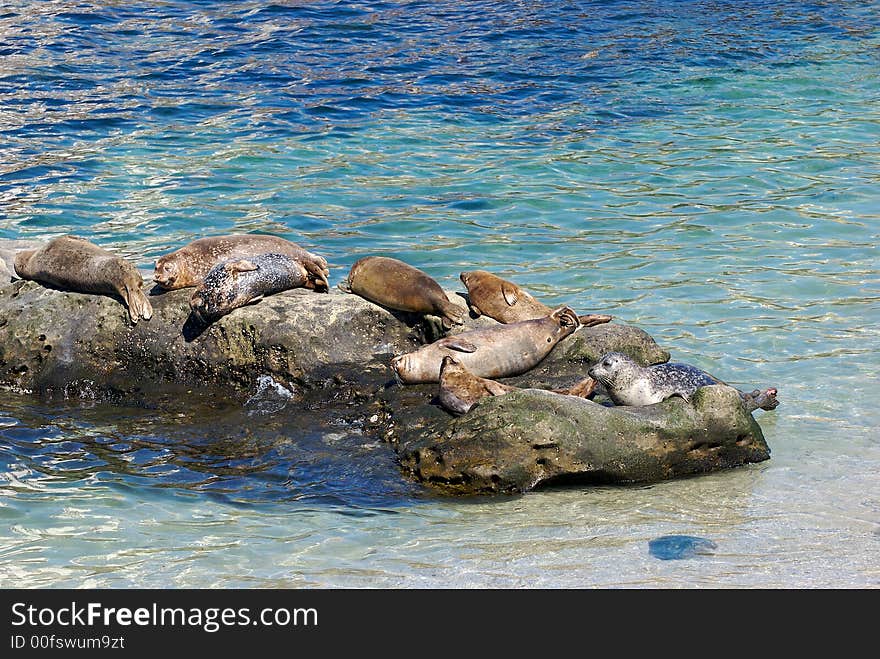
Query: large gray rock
pixel 530 438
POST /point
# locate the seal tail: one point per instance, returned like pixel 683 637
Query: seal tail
pixel 593 319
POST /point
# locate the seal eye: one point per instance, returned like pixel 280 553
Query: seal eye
pixel 549 340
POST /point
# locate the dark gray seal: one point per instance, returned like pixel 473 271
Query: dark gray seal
pixel 239 282
pixel 72 263
pixel 629 383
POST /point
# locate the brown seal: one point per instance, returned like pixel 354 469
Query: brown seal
pixel 460 389
pixel 397 285
pixel 494 352
pixel 189 265
pixel 492 296
pixel 74 264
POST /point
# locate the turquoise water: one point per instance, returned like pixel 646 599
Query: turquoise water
pixel 709 172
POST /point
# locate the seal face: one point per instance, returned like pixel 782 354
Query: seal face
pixel 628 383
pixel 75 264
pixel 492 296
pixel 393 284
pixel 494 352
pixel 189 265
pixel 237 282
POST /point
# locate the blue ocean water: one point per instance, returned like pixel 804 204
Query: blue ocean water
pixel 707 171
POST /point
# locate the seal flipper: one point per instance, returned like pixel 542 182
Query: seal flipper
pixel 241 265
pixel 457 343
pixel 451 314
pixel 593 319
pixel 344 286
pixel 137 303
pixel 510 294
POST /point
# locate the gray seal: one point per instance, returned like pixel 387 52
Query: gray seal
pixel 238 282
pixel 629 383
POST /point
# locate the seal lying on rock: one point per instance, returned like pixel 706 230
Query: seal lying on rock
pixel 460 389
pixel 397 285
pixel 236 283
pixel 628 383
pixel 75 264
pixel 492 296
pixel 189 265
pixel 494 352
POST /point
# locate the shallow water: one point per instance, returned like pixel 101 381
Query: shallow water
pixel 707 172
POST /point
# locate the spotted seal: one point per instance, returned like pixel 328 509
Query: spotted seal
pixel 628 383
pixel 238 282
pixel 189 265
pixel 75 264
pixel 494 352
pixel 490 295
pixel 393 284
pixel 459 389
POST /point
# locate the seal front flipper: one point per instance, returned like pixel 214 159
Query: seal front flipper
pixel 344 286
pixel 456 343
pixel 510 293
pixel 242 265
pixel 137 303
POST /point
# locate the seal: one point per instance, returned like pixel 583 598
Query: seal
pixel 459 389
pixel 238 282
pixel 493 352
pixel 75 264
pixel 189 265
pixel 628 383
pixel 490 295
pixel 394 284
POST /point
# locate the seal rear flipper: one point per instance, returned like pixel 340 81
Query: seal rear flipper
pixel 452 314
pixel 593 319
pixel 317 275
